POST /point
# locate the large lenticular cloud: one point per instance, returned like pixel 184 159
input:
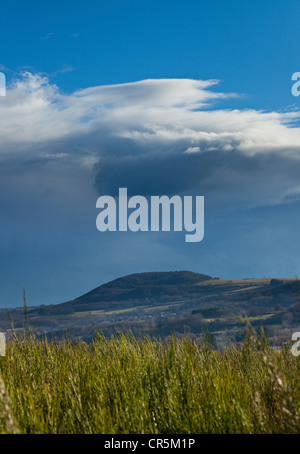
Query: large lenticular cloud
pixel 152 136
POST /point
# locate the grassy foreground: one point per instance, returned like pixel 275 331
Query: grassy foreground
pixel 125 385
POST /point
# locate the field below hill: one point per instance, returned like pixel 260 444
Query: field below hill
pixel 127 385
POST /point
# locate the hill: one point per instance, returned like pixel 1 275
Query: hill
pixel 159 303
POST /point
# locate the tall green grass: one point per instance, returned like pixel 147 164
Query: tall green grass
pixel 128 385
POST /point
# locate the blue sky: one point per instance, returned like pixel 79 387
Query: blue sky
pixel 103 94
pixel 252 46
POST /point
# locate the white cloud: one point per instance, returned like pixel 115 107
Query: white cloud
pixel 169 121
pixel 192 150
pixel 48 36
pixel 168 110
